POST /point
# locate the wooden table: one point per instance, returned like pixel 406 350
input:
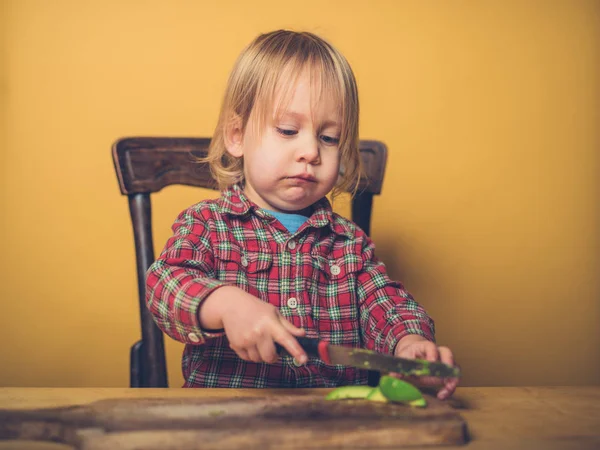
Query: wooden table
pixel 498 417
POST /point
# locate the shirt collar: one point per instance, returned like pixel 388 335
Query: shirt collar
pixel 234 202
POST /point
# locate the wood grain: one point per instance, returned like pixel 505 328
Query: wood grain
pixel 148 164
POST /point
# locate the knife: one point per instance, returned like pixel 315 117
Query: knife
pixel 370 360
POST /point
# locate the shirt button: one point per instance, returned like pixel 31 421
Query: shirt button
pixel 244 261
pixel 292 245
pixel 194 338
pixel 335 269
pixel 296 362
pixel 292 302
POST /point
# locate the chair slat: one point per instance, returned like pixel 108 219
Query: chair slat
pixel 148 164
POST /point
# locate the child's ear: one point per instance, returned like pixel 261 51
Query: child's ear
pixel 234 137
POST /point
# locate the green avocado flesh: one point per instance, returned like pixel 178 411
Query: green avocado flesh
pixel 349 392
pixel 376 396
pixel 390 389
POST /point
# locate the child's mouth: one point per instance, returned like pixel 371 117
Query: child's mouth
pixel 303 178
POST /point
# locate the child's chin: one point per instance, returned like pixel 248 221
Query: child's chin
pixel 292 202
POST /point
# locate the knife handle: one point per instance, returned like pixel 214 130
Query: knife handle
pixel 312 347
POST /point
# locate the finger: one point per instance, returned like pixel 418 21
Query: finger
pixel 448 389
pixel 253 354
pixel 289 342
pixel 443 394
pixel 243 354
pixel 266 349
pixel 289 326
pixel 446 355
pixel 451 385
pixel 431 351
pixel 408 353
pixel 426 381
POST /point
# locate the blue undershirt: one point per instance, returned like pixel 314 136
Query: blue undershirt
pixel 290 221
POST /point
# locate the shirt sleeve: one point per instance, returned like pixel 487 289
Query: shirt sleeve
pixel 181 279
pixel 387 311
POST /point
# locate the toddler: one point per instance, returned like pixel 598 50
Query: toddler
pixel 268 261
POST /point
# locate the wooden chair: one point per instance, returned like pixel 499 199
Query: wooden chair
pixel 145 165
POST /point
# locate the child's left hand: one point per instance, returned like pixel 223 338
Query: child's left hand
pixel 417 347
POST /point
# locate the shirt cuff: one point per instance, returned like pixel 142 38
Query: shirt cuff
pixel 185 314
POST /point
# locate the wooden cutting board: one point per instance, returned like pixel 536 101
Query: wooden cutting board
pixel 280 422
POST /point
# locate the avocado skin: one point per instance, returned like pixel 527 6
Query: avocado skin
pixel 400 391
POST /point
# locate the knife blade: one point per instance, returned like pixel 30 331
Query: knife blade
pixel 370 360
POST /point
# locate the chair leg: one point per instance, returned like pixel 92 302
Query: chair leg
pixel 136 369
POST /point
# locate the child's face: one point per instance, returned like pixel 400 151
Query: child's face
pixel 297 159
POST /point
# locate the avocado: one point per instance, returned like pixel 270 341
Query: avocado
pixel 390 389
pixel 376 396
pixel 349 392
pixel 397 390
pixel 419 403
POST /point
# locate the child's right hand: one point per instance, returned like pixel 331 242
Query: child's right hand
pixel 252 326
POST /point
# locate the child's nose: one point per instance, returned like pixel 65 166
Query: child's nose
pixel 309 152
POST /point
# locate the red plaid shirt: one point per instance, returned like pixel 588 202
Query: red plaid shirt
pixel 324 278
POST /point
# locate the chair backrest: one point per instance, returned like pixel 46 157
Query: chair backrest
pixel 145 165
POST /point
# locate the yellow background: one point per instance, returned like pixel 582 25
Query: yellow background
pixel 489 213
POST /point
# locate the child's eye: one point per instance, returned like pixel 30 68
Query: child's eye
pixel 330 140
pixel 286 131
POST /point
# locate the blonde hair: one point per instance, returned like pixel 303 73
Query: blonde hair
pixel 274 60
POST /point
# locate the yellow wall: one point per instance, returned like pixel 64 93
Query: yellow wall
pixel 489 213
